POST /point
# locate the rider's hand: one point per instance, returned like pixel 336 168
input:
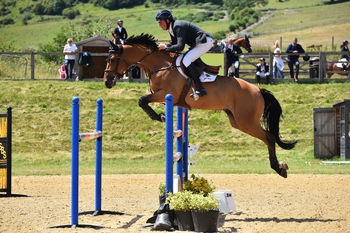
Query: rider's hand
pixel 162 46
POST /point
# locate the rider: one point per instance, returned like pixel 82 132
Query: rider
pixel 182 33
pixel 344 48
pixel 120 32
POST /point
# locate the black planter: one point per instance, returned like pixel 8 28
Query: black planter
pixel 205 221
pixel 184 220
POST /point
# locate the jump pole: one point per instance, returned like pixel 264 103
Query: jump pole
pixel 76 138
pixel 181 135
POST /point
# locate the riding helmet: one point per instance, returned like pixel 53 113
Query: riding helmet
pixel 345 42
pixel 164 14
pixel 306 57
pixel 120 21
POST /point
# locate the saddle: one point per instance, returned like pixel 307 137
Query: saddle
pixel 201 67
pixel 343 64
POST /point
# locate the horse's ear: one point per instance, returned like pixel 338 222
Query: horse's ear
pixel 112 46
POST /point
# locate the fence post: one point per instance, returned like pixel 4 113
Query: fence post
pixel 32 65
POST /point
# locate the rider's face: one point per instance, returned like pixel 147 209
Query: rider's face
pixel 162 24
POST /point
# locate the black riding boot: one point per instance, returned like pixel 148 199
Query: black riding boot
pixel 195 76
pixel 258 79
pixel 237 72
pixel 267 79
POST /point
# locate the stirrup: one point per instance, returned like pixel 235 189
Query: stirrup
pixel 198 94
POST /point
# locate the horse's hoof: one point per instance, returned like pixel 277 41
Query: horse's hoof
pixel 162 117
pixel 280 168
pixel 283 173
pixel 283 165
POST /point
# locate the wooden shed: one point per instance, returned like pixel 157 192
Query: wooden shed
pixel 331 131
pixel 94 45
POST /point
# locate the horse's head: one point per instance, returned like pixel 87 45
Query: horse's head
pixel 114 69
pixel 243 42
pixel 246 44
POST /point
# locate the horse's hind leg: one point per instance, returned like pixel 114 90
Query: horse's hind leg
pixel 255 130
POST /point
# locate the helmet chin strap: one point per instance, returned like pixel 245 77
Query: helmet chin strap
pixel 168 22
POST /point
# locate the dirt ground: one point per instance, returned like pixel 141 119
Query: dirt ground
pixel 264 203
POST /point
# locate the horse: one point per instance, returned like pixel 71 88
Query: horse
pixel 333 66
pixel 246 105
pixel 116 39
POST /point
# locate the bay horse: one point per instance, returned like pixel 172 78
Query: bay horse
pixel 245 104
pixel 333 67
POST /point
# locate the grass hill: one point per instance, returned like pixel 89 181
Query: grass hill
pixel 312 21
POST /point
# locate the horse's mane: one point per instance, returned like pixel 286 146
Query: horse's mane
pixel 143 39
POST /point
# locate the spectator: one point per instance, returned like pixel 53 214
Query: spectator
pixel 62 71
pixel 232 64
pixel 215 48
pixel 293 59
pixel 120 32
pixel 278 64
pixel 181 33
pixel 262 71
pixel 69 50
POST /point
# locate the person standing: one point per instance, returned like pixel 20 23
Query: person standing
pixel 278 64
pixel 232 65
pixel 120 32
pixel 294 49
pixel 181 33
pixel 69 50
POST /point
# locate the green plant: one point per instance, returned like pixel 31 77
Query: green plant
pixel 199 185
pixel 181 201
pixel 187 201
pixel 200 203
pixel 161 188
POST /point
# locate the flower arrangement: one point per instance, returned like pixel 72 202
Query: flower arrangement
pixel 199 185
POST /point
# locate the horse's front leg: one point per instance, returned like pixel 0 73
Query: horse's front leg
pixel 143 103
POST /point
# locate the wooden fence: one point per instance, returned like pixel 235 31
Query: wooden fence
pixel 247 68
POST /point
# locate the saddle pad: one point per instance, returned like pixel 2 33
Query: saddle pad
pixel 340 65
pixel 204 77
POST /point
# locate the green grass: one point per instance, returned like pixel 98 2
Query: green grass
pixel 132 143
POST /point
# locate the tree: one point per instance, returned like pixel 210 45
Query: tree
pixel 231 4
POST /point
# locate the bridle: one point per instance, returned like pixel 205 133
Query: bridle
pixel 119 51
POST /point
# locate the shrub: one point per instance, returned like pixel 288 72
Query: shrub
pixel 7 21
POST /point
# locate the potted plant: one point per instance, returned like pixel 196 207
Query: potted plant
pixel 181 203
pixel 205 212
pixel 195 205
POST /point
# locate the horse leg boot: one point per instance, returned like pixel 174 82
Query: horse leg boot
pixel 200 91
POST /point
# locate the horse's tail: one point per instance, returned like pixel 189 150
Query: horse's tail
pixel 271 118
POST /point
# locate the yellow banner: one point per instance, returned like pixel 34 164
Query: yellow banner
pixel 3 127
pixel 3 178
